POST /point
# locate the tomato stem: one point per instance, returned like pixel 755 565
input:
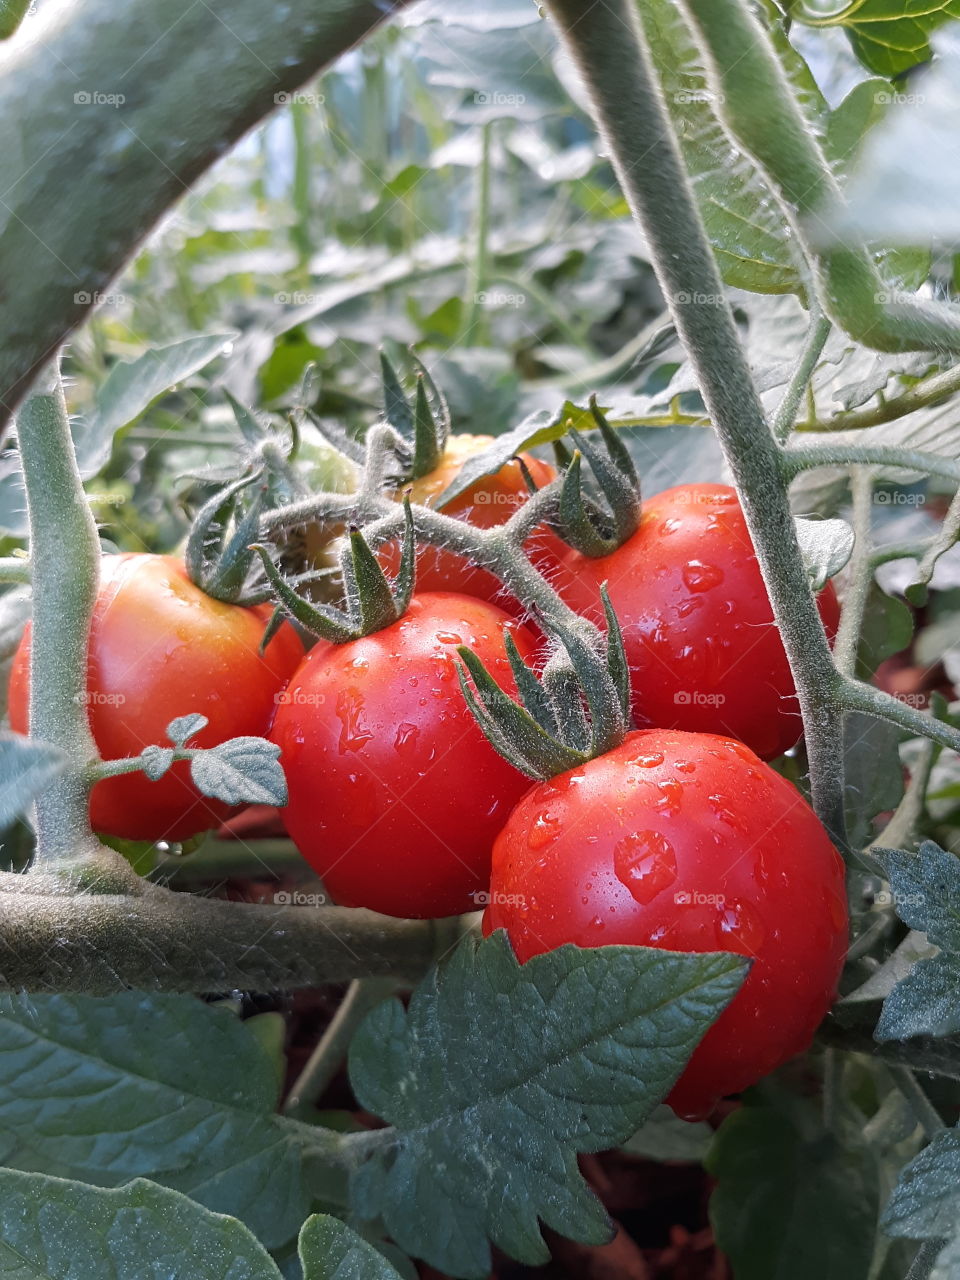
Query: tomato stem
pixel 627 104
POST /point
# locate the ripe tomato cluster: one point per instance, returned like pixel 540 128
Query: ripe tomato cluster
pixel 680 838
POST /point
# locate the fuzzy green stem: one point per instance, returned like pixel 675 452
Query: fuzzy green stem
pixel 629 108
pixel 930 390
pixel 362 995
pixel 808 457
pixel 761 112
pixel 14 569
pixel 925 1260
pixel 786 414
pixel 859 576
pixel 874 702
pixel 65 553
pixel 477 275
pixel 97 944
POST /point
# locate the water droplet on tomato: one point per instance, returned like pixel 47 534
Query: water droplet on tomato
pixel 648 759
pixel 406 738
pixel 701 577
pixel 646 864
pixel 684 766
pixel 545 829
pixel 449 637
pixel 353 736
pixel 737 922
pixel 671 796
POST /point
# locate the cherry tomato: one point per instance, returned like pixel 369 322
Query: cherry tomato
pixel 687 842
pixel 491 501
pixel 395 794
pixel 161 648
pixel 704 651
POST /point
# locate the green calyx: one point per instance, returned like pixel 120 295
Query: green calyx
pixel 217 556
pixel 371 603
pixel 578 709
pixel 423 423
pixel 592 527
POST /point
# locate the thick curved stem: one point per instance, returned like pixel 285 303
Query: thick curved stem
pixel 65 552
pixel 155 92
pixel 931 390
pixel 807 457
pixel 786 414
pixel 164 941
pixel 638 132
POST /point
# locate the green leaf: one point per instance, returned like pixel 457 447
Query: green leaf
pixel 887 629
pixel 329 1250
pixel 888 36
pixel 183 728
pixel 752 241
pixel 132 386
pixel 52 1229
pixel 12 13
pixel 791 1201
pixel 241 771
pixel 498 1074
pixel 666 1137
pixel 873 774
pixel 924 1003
pixel 154 1085
pixel 925 1204
pixel 926 891
pixel 26 766
pixel 826 546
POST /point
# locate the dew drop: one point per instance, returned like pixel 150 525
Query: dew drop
pixel 449 637
pixel 701 577
pixel 353 736
pixel 545 829
pixel 648 759
pixel 738 922
pixel 406 738
pixel 670 798
pixel 646 863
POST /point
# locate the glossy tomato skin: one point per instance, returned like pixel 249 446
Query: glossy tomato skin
pixel 395 795
pixel 687 842
pixel 704 651
pixel 491 501
pixel 161 648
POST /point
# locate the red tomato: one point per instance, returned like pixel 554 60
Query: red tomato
pixel 704 651
pixel 489 502
pixel 687 842
pixel 395 794
pixel 161 648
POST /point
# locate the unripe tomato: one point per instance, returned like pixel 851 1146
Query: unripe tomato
pixel 162 648
pixel 704 651
pixel 687 842
pixel 491 501
pixel 395 794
